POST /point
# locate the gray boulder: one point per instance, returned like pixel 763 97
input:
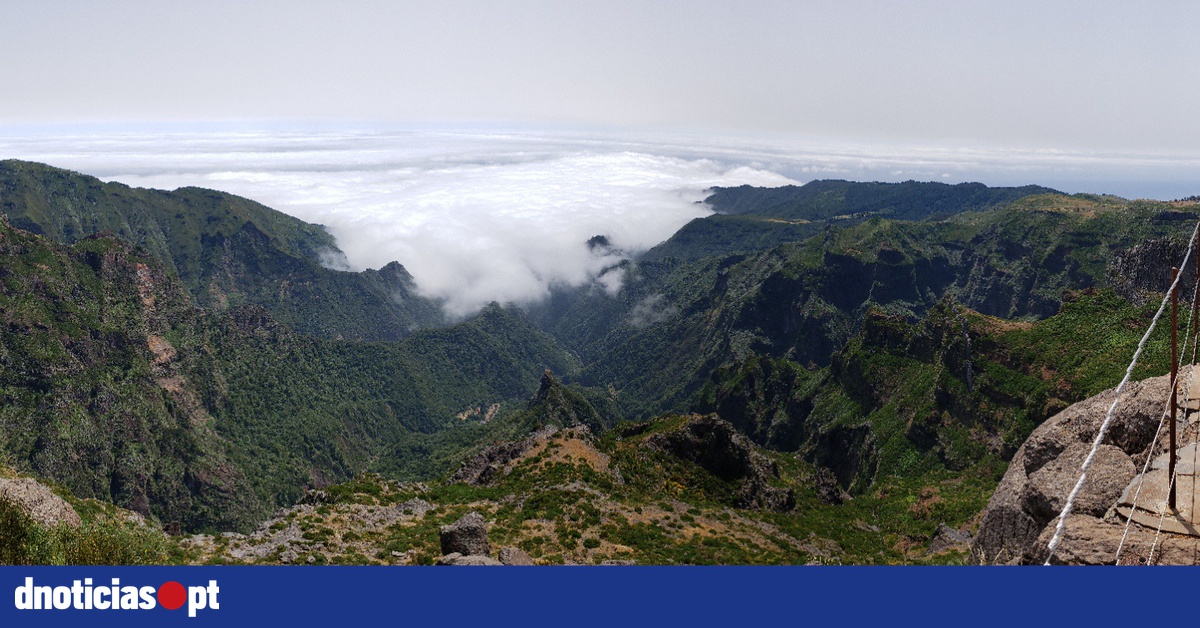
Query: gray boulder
pixel 38 502
pixel 947 539
pixel 467 536
pixel 455 559
pixel 1088 540
pixel 1046 467
pixel 514 556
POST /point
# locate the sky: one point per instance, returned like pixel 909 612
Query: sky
pixel 482 143
pixel 1096 75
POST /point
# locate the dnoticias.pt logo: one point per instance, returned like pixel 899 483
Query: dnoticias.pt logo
pixel 85 596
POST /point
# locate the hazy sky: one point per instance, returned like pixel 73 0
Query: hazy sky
pixel 482 143
pixel 1111 76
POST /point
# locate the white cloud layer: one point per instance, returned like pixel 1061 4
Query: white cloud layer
pixel 482 215
pixel 474 217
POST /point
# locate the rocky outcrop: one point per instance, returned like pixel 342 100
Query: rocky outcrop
pixel 455 559
pixel 555 404
pixel 825 483
pixel 947 539
pixel 514 556
pixel 467 536
pixel 1089 540
pixel 38 502
pixel 484 466
pixel 1144 270
pixel 720 449
pixel 850 453
pixel 1045 469
pixel 1048 487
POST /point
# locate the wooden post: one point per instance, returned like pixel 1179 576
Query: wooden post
pixel 1174 382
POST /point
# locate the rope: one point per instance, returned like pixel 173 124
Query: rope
pixel 1161 421
pixel 1145 467
pixel 1162 516
pixel 1149 456
pixel 1108 418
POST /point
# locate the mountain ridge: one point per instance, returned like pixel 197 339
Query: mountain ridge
pixel 226 249
pixel 878 363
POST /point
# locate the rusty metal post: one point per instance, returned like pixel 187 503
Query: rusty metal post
pixel 1174 381
pixel 1195 314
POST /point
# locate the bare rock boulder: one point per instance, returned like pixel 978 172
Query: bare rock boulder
pixel 467 536
pixel 514 556
pixel 455 559
pixel 1047 489
pixel 38 502
pixel 1046 467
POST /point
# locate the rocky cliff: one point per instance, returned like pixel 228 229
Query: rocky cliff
pixel 1019 520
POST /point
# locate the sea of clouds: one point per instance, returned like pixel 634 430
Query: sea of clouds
pixel 480 214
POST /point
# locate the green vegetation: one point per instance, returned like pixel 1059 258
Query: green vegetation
pixel 115 385
pixel 99 541
pixel 227 250
pixel 674 322
pixel 751 219
pixel 886 348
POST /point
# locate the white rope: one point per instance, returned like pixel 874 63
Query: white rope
pixel 1087 463
pixel 1145 467
pixel 1149 456
pixel 1162 516
pixel 1190 327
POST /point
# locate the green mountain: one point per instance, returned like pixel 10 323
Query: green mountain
pixel 831 372
pixel 955 390
pixel 755 219
pixel 115 385
pixel 655 343
pixel 227 250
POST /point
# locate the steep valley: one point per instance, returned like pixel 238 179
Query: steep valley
pixel 836 372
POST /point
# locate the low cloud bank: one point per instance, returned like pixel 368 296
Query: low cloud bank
pixel 484 215
pixel 474 217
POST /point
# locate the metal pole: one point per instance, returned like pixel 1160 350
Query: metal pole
pixel 1195 316
pixel 1174 383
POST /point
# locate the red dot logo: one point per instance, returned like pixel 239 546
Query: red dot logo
pixel 171 595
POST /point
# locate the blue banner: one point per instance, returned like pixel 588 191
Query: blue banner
pixel 616 597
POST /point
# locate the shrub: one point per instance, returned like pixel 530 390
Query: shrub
pixel 104 542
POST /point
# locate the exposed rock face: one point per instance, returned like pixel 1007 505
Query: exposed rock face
pixel 947 539
pixel 1088 540
pixel 849 452
pixel 483 466
pixel 37 501
pixel 514 556
pixel 716 446
pixel 827 487
pixel 1145 269
pixel 1046 467
pixel 1049 486
pixel 555 404
pixel 455 559
pixel 467 536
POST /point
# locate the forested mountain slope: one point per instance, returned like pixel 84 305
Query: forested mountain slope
pixel 227 250
pixel 116 385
